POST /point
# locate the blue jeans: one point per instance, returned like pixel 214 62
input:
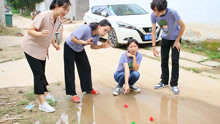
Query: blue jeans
pixel 120 78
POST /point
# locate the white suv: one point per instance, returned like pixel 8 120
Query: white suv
pixel 128 21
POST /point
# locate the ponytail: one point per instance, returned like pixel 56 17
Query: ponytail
pixel 94 25
pixel 60 3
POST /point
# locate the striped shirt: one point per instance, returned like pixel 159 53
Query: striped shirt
pixel 37 47
pixel 84 32
pixel 168 23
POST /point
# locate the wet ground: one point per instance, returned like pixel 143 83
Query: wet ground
pixel 108 109
pixel 198 101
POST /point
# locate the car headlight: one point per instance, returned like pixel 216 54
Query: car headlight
pixel 125 25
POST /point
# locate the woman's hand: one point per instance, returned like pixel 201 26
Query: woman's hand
pixel 106 44
pixel 130 55
pixel 88 42
pixel 57 47
pixel 127 88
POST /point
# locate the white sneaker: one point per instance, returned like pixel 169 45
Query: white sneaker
pixel 46 107
pixel 116 91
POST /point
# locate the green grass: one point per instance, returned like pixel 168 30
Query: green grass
pixel 205 48
pixel 49 89
pixel 213 54
pixel 211 44
pixel 148 48
pixel 20 111
pixel 23 103
pixel 58 83
pixel 9 31
pixel 196 70
pixel 27 16
pixel 15 11
pixel 52 102
pixel 30 96
pixel 5 110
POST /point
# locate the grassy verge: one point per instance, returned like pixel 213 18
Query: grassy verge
pixel 9 31
pixel 206 48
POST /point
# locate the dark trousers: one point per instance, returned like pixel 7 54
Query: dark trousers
pixel 165 49
pixel 84 70
pixel 38 70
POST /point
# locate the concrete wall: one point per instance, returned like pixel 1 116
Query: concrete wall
pixel 2 13
pixel 72 12
pixel 40 6
pixel 77 9
pixel 82 6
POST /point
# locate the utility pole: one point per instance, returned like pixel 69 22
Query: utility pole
pixel 2 13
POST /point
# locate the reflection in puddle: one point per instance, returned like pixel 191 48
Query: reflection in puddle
pixel 87 106
pixel 168 111
pixel 63 119
pixel 79 113
pixel 107 109
pixel 93 114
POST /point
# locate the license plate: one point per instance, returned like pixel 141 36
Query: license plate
pixel 148 37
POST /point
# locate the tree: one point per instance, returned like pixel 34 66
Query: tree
pixel 2 13
pixel 24 5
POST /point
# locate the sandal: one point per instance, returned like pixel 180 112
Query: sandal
pixel 95 92
pixel 76 99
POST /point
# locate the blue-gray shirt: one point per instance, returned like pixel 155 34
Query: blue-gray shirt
pixel 129 60
pixel 84 32
pixel 168 24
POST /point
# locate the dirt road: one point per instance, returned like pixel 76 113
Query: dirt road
pixel 198 101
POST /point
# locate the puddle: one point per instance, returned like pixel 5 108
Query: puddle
pixel 109 109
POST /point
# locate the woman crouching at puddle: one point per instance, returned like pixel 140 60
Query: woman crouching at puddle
pixel 74 52
pixel 126 72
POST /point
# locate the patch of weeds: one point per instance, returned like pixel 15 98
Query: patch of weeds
pixel 193 51
pixel 196 70
pixel 58 83
pixel 213 54
pixel 49 89
pixel 52 101
pixel 23 103
pixel 204 60
pixel 147 48
pixel 42 117
pixel 30 96
pixel 208 48
pixel 9 31
pixel 212 77
pixel 20 111
pixel 4 110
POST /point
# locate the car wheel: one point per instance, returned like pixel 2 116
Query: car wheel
pixel 113 38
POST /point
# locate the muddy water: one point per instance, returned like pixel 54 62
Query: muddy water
pixel 108 109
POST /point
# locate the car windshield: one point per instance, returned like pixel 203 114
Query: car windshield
pixel 126 9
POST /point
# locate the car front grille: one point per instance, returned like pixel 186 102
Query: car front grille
pixel 148 30
pixel 143 35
